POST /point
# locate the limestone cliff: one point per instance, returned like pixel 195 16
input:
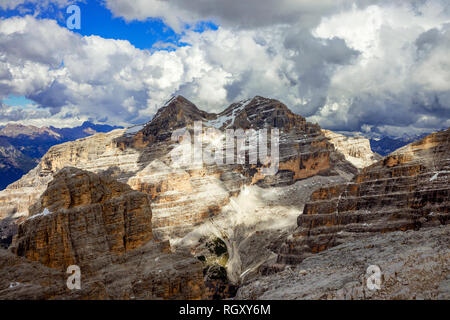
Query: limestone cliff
pixel 355 149
pixel 191 205
pixel 84 219
pixel 184 196
pixel 142 226
pixel 407 190
pixel 104 227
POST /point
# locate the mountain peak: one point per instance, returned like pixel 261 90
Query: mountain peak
pixel 257 113
pixel 180 103
pixel 176 99
pixel 254 113
pixel 177 112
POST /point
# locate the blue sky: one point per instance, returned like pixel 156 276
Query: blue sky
pixel 17 101
pixel 96 19
pixel 372 66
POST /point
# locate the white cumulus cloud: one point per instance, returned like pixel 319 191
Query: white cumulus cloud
pixel 349 65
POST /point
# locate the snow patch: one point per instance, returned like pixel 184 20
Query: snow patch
pixel 42 214
pixel 437 173
pixel 220 121
pixel 134 129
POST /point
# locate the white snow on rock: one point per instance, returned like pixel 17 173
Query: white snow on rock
pixel 223 119
pixel 134 129
pixel 43 213
pixel 437 173
pixel 169 101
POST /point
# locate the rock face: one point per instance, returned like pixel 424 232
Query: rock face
pixel 94 153
pixel 104 227
pixel 355 149
pixel 407 190
pixel 149 272
pixel 178 112
pixel 413 265
pixel 84 219
pixel 191 205
pixel 26 280
pixel 184 196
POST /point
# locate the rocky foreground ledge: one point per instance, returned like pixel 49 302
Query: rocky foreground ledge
pixel 413 264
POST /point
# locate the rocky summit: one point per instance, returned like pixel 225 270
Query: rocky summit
pixel 141 225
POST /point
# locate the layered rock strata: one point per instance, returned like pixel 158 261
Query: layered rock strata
pixel 104 227
pixel 407 190
pixel 355 149
pixel 183 197
pixel 84 219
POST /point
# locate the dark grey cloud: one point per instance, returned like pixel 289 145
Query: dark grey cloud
pixel 53 97
pixel 234 89
pixel 401 81
pixel 247 14
pixel 315 60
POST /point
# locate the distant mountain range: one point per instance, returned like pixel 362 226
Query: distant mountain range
pixel 387 145
pixel 22 146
